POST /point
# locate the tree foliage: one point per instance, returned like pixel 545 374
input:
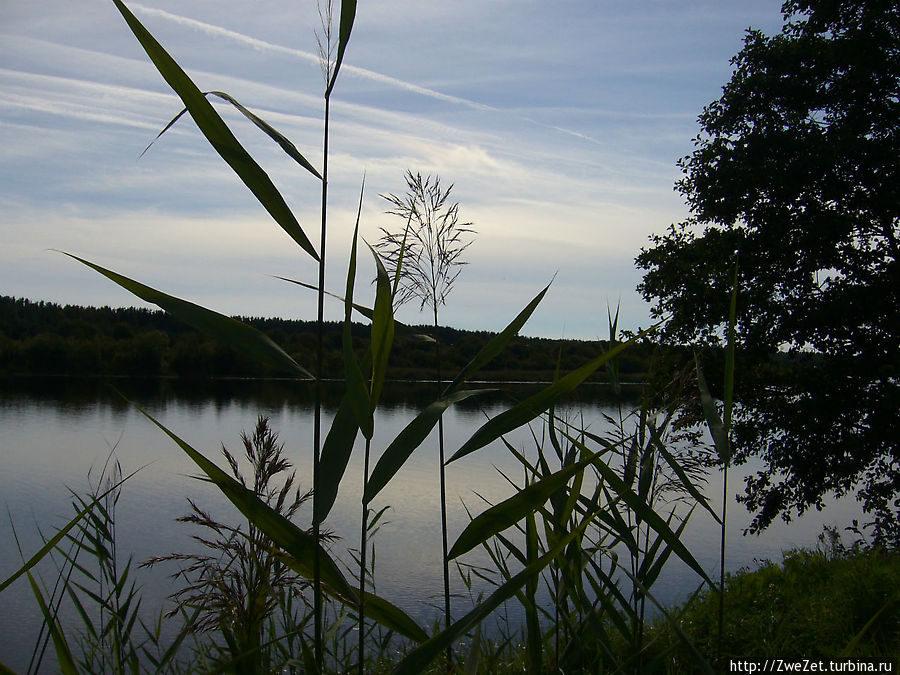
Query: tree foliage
pixel 796 172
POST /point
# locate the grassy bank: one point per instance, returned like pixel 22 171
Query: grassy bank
pixel 831 602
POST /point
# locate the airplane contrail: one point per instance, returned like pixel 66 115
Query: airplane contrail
pixel 262 45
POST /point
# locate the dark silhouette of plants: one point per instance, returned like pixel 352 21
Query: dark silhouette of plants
pixel 426 257
pixel 238 584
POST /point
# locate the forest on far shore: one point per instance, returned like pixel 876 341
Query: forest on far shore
pixel 44 338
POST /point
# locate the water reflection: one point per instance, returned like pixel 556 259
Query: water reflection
pixel 55 430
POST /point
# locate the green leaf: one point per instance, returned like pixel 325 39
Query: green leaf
pixel 645 512
pixel 348 14
pixel 535 405
pixel 60 535
pixel 533 642
pixel 409 439
pixel 357 391
pixel 683 477
pixel 498 343
pixel 218 133
pixel 510 511
pixel 286 145
pixel 421 656
pixel 334 459
pixel 382 328
pixel 246 339
pixel 63 653
pixel 713 421
pixel 399 328
pixel 298 544
pixel 393 618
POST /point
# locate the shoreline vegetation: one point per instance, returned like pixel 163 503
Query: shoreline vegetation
pixel 48 339
pixel 595 517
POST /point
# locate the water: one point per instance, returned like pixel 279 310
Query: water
pixel 55 433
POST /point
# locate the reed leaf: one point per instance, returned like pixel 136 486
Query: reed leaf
pixel 289 148
pixel 497 344
pixel 382 328
pixel 335 456
pixel 348 14
pixel 406 442
pixel 393 618
pixel 218 133
pixel 421 656
pixel 400 328
pixel 713 421
pixel 533 406
pixel 63 532
pixel 244 338
pixel 533 642
pixel 357 391
pixel 60 645
pixel 510 511
pixel 645 512
pixel 688 484
pixel 298 544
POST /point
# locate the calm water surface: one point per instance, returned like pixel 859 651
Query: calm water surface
pixel 54 434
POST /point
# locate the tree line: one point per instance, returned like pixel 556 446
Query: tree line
pixel 45 338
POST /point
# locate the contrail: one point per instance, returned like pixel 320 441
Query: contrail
pixel 262 45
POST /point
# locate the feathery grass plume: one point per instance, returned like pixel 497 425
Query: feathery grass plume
pixel 426 258
pixel 237 586
pixel 434 242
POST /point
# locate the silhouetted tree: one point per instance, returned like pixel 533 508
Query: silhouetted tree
pixel 796 169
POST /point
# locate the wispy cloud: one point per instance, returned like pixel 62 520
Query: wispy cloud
pixel 371 75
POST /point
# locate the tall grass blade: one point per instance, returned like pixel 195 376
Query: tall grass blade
pixel 53 542
pixel 406 442
pixel 700 664
pixel 382 328
pixel 244 338
pixel 685 480
pixel 299 545
pixel 498 343
pixel 533 641
pixel 218 133
pixel 417 660
pixel 855 641
pixel 289 148
pixel 713 421
pixel 60 645
pixel 394 618
pixel 357 390
pixel 335 456
pixel 510 511
pixel 533 406
pixel 348 14
pixel 645 512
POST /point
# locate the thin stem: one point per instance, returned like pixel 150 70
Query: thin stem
pixel 362 565
pixel 721 618
pixel 317 422
pixel 444 548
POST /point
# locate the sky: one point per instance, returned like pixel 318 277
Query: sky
pixel 558 123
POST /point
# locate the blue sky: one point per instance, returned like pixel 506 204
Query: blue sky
pixel 559 124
